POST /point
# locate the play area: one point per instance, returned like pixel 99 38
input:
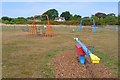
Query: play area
pixel 59 39
pixel 71 52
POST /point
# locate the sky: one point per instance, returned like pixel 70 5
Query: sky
pixel 60 0
pixel 27 9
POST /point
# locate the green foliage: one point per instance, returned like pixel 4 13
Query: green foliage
pixel 20 20
pixel 111 14
pixel 71 22
pixel 6 22
pixel 96 19
pixel 100 19
pixel 6 18
pixel 75 17
pixel 52 13
pixel 107 60
pixel 30 18
pixel 0 20
pixel 109 19
pixel 66 15
pixel 112 20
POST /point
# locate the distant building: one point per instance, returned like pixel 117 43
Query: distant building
pixel 59 19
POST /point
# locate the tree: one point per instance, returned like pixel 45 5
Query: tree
pixel 111 19
pixel 30 18
pixel 95 18
pixel 6 22
pixel 111 14
pixel 102 21
pixel 20 20
pixel 71 17
pixel 77 17
pixel 100 15
pixel 66 15
pixel 6 18
pixel 85 21
pixel 52 13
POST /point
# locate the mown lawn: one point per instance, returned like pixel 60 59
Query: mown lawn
pixel 31 56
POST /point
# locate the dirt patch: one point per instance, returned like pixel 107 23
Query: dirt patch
pixel 67 66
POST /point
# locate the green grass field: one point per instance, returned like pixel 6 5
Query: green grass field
pixel 31 56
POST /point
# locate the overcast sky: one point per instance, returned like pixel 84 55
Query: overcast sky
pixel 26 9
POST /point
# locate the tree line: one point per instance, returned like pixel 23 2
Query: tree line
pixel 100 18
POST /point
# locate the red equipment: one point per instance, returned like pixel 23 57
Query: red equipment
pixel 79 50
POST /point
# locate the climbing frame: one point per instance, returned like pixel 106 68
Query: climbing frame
pixel 33 29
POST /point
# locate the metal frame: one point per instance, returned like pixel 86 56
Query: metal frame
pixel 93 26
pixel 48 32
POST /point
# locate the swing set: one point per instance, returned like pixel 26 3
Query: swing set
pixel 93 26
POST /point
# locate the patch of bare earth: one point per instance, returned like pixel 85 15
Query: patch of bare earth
pixel 67 66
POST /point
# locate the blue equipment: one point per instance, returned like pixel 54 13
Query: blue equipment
pixel 93 26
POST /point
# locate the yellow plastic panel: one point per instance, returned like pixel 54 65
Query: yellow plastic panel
pixel 94 58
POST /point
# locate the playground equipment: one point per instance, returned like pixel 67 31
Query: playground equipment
pixel 49 31
pixel 34 30
pixel 93 26
pixel 82 50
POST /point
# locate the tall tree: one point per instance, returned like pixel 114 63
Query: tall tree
pixel 66 15
pixel 100 15
pixel 52 13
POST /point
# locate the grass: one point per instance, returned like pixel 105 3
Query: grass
pixel 110 62
pixel 31 56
